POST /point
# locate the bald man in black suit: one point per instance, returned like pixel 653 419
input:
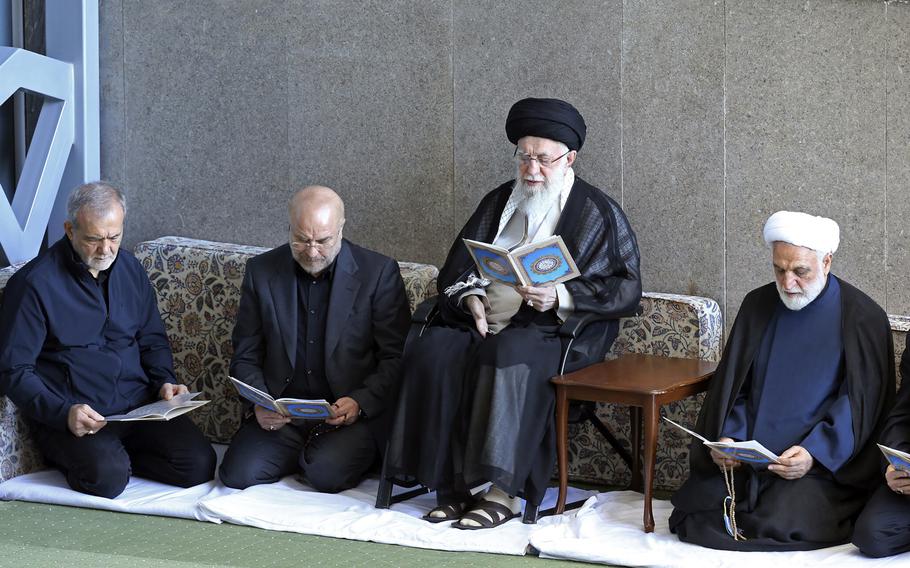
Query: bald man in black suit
pixel 319 317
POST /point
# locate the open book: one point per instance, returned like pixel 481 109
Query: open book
pixel 900 460
pixel 161 409
pixel 544 262
pixel 749 451
pixel 293 407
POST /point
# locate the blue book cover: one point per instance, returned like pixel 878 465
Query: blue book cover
pixel 545 262
pixel 293 407
pixel 898 459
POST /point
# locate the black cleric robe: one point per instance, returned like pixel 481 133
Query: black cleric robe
pixel 817 510
pixel 596 232
pixel 477 409
pixel 883 528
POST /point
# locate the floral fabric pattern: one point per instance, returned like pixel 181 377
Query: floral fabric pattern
pixel 18 454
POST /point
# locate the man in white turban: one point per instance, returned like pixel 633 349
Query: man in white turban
pixel 808 371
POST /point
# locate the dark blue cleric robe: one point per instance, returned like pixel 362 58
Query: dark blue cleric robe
pixel 822 378
pixel 797 395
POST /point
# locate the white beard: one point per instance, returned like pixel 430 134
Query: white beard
pixel 806 295
pixel 536 203
pixel 101 264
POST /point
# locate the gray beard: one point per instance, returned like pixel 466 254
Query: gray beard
pixel 808 295
pixel 536 203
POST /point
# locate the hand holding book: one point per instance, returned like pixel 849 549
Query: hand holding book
pixel 749 451
pixel 544 262
pixel 288 407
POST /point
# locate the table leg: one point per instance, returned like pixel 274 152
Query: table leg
pixel 562 451
pixel 635 446
pixel 651 416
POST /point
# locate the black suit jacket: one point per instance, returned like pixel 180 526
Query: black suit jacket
pixel 366 325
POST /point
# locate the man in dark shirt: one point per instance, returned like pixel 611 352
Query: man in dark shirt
pixel 319 317
pixel 81 338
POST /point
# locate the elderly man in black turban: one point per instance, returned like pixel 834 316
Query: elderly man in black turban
pixel 476 403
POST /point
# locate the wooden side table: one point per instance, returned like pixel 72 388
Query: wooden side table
pixel 644 382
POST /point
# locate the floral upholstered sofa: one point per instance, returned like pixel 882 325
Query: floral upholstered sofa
pixel 198 287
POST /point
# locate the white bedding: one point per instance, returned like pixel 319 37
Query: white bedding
pixel 140 496
pixel 607 529
pixel 290 506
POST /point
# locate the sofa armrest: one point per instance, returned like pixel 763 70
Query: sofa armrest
pixel 18 453
pixel 673 325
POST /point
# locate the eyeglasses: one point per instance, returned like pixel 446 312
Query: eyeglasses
pixel 544 161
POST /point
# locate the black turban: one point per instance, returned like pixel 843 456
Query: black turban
pixel 546 118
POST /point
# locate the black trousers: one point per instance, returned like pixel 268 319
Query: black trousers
pixel 173 452
pixel 883 528
pixel 331 460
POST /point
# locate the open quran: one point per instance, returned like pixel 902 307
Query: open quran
pixel 293 407
pixel 900 460
pixel 161 409
pixel 749 451
pixel 535 264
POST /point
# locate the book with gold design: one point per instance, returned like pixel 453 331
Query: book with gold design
pixel 749 451
pixel 294 407
pixel 546 262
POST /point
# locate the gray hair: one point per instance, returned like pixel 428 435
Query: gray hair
pixel 96 196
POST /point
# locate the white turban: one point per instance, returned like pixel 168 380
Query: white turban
pixel 803 230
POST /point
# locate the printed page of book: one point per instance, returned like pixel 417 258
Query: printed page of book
pixel 161 409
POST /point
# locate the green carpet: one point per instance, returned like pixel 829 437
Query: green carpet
pixel 44 536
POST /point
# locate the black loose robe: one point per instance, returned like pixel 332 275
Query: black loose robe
pixel 819 509
pixel 883 528
pixel 474 409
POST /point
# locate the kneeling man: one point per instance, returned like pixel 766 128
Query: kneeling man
pixel 808 371
pixel 319 318
pixel 884 527
pixel 81 338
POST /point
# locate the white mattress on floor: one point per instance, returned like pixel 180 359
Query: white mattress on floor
pixel 140 496
pixel 608 529
pixel 291 506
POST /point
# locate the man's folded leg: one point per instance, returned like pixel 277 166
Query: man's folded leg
pixel 258 456
pixel 96 464
pixel 338 459
pixel 173 452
